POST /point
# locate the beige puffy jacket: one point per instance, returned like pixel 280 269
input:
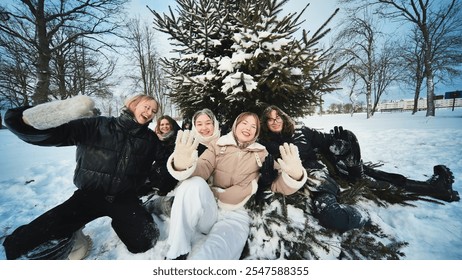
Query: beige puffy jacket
pixel 235 172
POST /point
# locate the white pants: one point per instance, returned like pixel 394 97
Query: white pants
pixel 195 210
pixel 227 238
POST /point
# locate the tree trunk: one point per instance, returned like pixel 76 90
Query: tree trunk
pixel 43 80
pixel 416 96
pixel 369 99
pixel 430 95
pixel 43 57
pixel 428 62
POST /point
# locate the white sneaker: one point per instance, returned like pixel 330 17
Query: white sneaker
pixel 82 245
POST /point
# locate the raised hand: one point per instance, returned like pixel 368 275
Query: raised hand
pixel 290 161
pixel 341 145
pixel 345 146
pixel 185 153
pixel 56 113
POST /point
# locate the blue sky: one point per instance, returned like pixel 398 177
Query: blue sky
pixel 315 15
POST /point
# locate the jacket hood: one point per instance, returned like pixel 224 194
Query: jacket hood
pixel 229 140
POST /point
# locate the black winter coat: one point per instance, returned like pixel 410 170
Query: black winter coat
pixel 309 141
pixel 159 176
pixel 113 155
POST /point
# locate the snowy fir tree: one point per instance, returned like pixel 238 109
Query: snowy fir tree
pixel 236 56
pixel 241 55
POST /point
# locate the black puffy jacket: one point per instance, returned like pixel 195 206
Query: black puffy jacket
pixel 309 141
pixel 159 176
pixel 114 155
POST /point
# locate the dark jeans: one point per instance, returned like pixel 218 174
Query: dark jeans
pixel 132 223
pixel 335 216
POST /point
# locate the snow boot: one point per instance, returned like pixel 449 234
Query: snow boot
pixel 439 186
pixel 56 249
pixel 159 205
pixel 82 245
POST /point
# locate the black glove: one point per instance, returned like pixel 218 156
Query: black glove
pixel 341 145
pixel 346 149
pixel 267 176
pixel 345 146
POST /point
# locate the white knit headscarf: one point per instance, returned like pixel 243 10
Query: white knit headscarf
pixel 216 130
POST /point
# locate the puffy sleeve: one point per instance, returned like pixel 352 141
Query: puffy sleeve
pixel 67 134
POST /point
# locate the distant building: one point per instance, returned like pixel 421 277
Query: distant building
pixel 448 100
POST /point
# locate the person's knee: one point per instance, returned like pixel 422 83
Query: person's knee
pixel 341 218
pixel 194 184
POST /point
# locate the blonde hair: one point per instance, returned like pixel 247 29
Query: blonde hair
pixel 131 102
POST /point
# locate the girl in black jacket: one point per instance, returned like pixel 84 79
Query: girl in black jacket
pixel 278 128
pixel 113 157
pixel 341 150
pixel 160 181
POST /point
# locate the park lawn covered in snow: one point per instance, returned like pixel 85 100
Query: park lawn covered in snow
pixel 34 179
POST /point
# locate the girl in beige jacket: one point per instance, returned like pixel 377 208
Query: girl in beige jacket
pixel 233 162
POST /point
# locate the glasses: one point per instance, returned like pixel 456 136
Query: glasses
pixel 276 120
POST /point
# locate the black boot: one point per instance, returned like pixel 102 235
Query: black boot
pixel 56 249
pixel 439 186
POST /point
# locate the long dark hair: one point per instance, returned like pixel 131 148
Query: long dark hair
pixel 288 127
pixel 173 124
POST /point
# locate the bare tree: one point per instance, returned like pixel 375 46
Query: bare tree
pixel 357 41
pixel 37 23
pixel 76 69
pixel 16 68
pixel 351 94
pixel 434 20
pixel 373 64
pixel 149 74
pixel 438 22
pixel 413 64
pixel 387 71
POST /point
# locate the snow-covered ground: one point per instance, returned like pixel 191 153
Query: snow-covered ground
pixel 34 179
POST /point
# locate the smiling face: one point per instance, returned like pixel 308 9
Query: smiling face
pixel 204 125
pixel 164 126
pixel 275 122
pixel 145 111
pixel 246 129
